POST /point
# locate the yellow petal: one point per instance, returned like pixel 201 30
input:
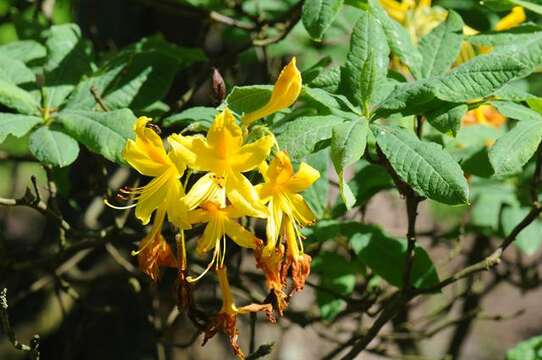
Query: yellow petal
pixel 139 159
pixel 177 210
pixel 252 155
pixel 146 153
pixel 225 137
pixel 272 229
pixel 239 234
pixel 280 169
pixel 285 92
pixel 194 150
pixel 513 19
pixel 303 178
pixel 153 195
pixel 198 216
pixel 299 209
pixel 207 241
pixel 243 196
pixel 209 187
pixel 395 9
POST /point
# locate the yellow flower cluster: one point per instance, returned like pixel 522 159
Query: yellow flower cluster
pixel 219 198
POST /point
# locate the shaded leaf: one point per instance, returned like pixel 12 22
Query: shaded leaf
pixel 53 147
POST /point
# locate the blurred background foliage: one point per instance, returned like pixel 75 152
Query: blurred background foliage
pixel 113 320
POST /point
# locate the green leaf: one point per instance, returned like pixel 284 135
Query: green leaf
pixel 408 98
pixel 300 137
pixel 18 99
pixel 498 38
pixel 528 51
pixel 136 77
pixel 328 80
pixel 529 239
pixel 367 60
pixel 425 166
pixel 53 147
pixel 530 349
pixel 515 148
pixel 337 276
pixel 398 39
pixel 385 255
pixel 489 197
pixel 67 61
pixel 15 71
pixel 245 99
pixel 448 118
pixel 104 133
pixel 16 125
pixel 318 15
pixel 516 111
pixel 317 195
pixel 198 114
pixel 25 50
pixel 478 78
pixel 441 46
pixel 348 143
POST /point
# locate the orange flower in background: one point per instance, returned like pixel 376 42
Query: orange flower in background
pixel 484 115
pixel 285 92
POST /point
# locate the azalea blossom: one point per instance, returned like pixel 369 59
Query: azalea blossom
pixel 224 154
pixel 285 92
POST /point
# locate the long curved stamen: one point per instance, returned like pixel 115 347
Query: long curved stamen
pixel 106 202
pixel 216 255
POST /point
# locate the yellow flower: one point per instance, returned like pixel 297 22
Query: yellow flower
pixel 224 154
pixel 147 155
pixel 288 211
pixel 221 222
pixel 226 319
pixel 285 92
pixel 154 251
pixel 513 19
pixel 418 18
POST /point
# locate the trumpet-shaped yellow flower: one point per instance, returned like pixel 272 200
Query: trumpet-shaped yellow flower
pixel 147 155
pixel 221 222
pixel 224 154
pixel 154 251
pixel 288 211
pixel 226 319
pixel 285 92
pixel 513 19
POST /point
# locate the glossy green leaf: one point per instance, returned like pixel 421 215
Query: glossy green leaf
pixel 301 136
pixel 318 15
pixel 104 133
pixel 441 46
pixel 348 143
pixel 245 99
pixel 15 71
pixel 447 119
pixel 317 194
pixel 478 78
pixel 429 169
pixel 68 60
pixel 516 111
pixel 515 148
pixel 18 99
pixel 197 114
pixel 530 349
pixel 367 60
pixel 529 239
pixel 16 125
pixel 53 147
pixel 24 50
